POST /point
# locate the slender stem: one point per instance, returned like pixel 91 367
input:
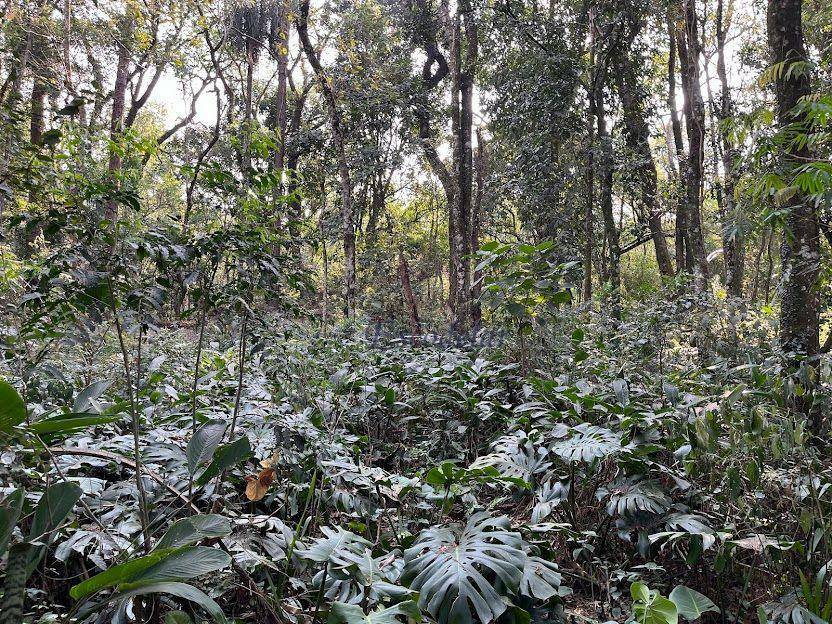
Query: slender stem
pixel 240 371
pixel 134 417
pixel 320 593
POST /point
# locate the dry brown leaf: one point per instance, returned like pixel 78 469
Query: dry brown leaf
pixel 258 486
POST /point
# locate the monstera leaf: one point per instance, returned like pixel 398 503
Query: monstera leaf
pixel 516 457
pixel 339 548
pixel 370 578
pixel 341 613
pixel 588 442
pixel 629 496
pixel 549 496
pixel 541 580
pixel 453 570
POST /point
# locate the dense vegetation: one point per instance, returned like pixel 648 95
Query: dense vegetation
pixel 381 312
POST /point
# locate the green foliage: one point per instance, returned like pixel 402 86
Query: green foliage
pixel 12 408
pixel 454 569
pixel 169 564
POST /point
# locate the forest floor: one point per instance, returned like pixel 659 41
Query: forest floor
pixel 340 468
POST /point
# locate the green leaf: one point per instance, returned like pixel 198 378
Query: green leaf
pixel 650 607
pixel 172 564
pixel 180 590
pixel 225 457
pixel 191 530
pixel 639 591
pixel 10 510
pixel 67 423
pixel 446 565
pixel 541 579
pixel 114 575
pixel 53 507
pixel 183 564
pixel 12 408
pixel 178 617
pixel 57 501
pixel 338 546
pixel 690 603
pixel 203 443
pixel 343 613
pixel 86 399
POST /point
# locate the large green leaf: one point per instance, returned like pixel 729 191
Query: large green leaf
pixel 86 399
pixel 451 568
pixel 225 457
pixel 652 608
pixel 588 442
pixel 180 590
pixel 191 530
pixel 541 579
pixel 203 443
pixel 10 510
pixel 338 548
pixel 160 566
pixel 53 507
pixel 12 408
pixel 122 573
pixel 343 613
pixel 690 603
pixel 68 423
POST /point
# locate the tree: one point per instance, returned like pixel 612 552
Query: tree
pixel 637 134
pixel 337 128
pixel 689 47
pixel 800 305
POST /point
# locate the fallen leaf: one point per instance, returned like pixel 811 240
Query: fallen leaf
pixel 257 486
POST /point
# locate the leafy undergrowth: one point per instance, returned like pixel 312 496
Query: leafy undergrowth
pixel 336 477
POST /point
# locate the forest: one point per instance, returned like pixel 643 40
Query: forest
pixel 415 311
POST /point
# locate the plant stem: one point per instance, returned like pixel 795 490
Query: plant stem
pixel 134 417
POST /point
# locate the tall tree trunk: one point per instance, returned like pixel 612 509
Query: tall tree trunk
pixel 589 177
pixel 687 42
pixel 644 168
pixel 605 177
pixel 463 60
pixel 681 246
pixel 117 114
pixel 282 54
pixel 733 241
pixel 481 170
pixel 38 101
pixel 409 299
pixel 336 125
pixel 800 252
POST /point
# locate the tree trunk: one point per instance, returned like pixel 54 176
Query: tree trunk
pixel 681 246
pixel 336 124
pixel 605 177
pixel 409 299
pixel 282 54
pixel 481 169
pixel 117 116
pixel 733 241
pixel 800 252
pixel 38 101
pixel 589 176
pixel 644 168
pixel 687 42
